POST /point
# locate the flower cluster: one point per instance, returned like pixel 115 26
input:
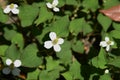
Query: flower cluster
pixel 12 67
pixel 14 7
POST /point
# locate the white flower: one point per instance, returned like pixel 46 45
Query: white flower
pixel 106 71
pixel 53 5
pixel 107 43
pixel 13 8
pixel 12 67
pixel 54 42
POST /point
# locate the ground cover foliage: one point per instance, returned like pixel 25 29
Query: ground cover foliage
pixel 89 51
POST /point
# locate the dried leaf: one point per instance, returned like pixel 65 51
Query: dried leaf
pixel 3 3
pixel 113 13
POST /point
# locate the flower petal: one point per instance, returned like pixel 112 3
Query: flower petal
pixel 17 63
pixel 103 43
pixel 48 44
pixel 57 48
pixel 56 9
pixel 55 2
pixel 108 48
pixel 15 11
pixel 112 43
pixel 107 39
pixel 6 70
pixel 7 10
pixel 8 62
pixel 49 5
pixel 106 71
pixel 16 71
pixel 52 36
pixel 15 5
pixel 60 41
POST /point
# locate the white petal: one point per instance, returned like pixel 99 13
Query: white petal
pixel 8 62
pixel 103 43
pixel 55 2
pixel 57 48
pixel 48 44
pixel 15 5
pixel 112 43
pixel 56 9
pixel 49 5
pixel 107 39
pixel 7 10
pixel 52 36
pixel 15 11
pixel 17 63
pixel 108 48
pixel 6 70
pixel 60 41
pixel 16 71
pixel 106 71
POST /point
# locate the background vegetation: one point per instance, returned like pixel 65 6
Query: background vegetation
pixel 78 22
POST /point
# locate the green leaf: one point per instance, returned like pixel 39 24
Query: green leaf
pixel 105 77
pixel 13 52
pixel 115 34
pixel 76 26
pixel 65 54
pixel 33 75
pixel 79 25
pixel 61 3
pixel 3 48
pixel 30 57
pixel 78 47
pixel 14 37
pixel 86 28
pixel 71 2
pixel 116 26
pixel 95 62
pixel 3 17
pixel 44 75
pixel 44 15
pixel 50 62
pixel 75 70
pixel 109 3
pixel 18 39
pixel 115 62
pixel 102 61
pixel 61 27
pixel 54 74
pixel 51 75
pixel 104 21
pixel 28 14
pixel 91 4
pixel 67 76
pixel 9 34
